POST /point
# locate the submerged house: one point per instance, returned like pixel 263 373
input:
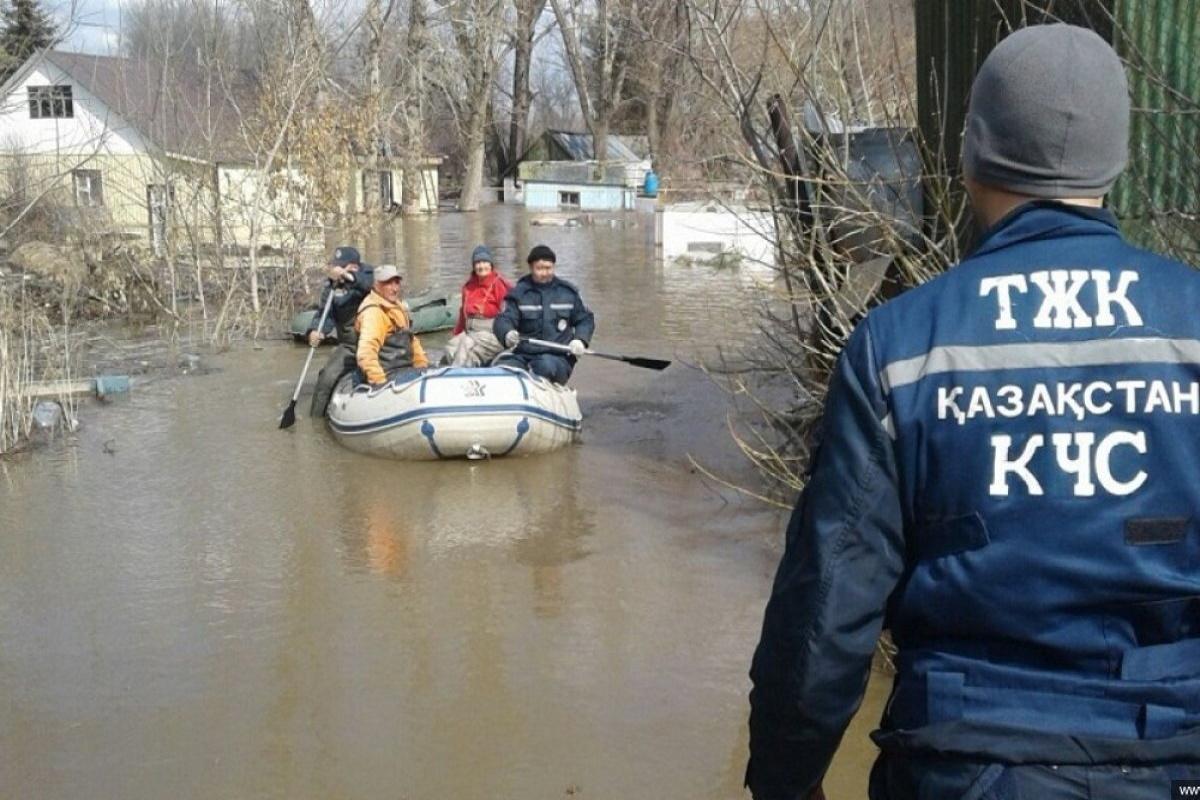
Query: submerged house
pixel 133 149
pixel 560 171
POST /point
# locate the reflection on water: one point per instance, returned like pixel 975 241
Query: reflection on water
pixel 196 604
pixel 527 510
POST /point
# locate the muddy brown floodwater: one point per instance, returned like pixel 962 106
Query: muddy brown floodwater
pixel 194 604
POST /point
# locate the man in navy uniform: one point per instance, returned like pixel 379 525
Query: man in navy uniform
pixel 1009 480
pixel 350 281
pixel 544 306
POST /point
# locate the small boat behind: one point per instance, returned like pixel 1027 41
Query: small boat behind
pixel 431 311
pixel 456 412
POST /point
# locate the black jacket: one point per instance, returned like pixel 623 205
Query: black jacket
pixel 347 297
pixel 551 311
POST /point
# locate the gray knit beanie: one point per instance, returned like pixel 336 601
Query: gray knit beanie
pixel 1049 115
pixel 482 253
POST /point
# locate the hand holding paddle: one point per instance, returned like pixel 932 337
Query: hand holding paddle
pixel 289 414
pixel 637 361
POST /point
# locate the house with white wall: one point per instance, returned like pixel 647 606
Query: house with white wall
pixel 560 171
pixel 140 152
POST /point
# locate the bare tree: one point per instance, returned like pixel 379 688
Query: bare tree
pixel 374 19
pixel 476 28
pixel 656 76
pixel 554 103
pixel 844 241
pixel 524 33
pixel 410 109
pixel 598 86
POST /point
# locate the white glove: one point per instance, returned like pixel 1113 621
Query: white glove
pixel 512 339
pixel 578 348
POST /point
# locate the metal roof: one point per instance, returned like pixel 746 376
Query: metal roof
pixel 173 110
pixel 579 146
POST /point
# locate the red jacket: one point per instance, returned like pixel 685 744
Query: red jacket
pixel 482 297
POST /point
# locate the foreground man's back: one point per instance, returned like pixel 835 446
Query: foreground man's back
pixel 1010 471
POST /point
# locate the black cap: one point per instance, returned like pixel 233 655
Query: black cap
pixel 541 253
pixel 345 255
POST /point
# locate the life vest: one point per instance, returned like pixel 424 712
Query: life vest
pixel 397 351
pixel 399 348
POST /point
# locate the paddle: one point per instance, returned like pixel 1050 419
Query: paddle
pixel 637 361
pixel 289 414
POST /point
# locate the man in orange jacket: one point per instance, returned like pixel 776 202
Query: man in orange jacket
pixel 385 339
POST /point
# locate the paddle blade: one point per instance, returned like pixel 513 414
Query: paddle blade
pixel 289 416
pixel 647 363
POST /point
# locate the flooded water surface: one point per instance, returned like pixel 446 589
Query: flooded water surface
pixel 194 603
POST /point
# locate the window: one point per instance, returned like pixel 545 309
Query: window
pixel 385 191
pixel 89 188
pixel 47 102
pixel 568 199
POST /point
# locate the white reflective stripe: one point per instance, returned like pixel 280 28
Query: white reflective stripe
pixel 889 426
pixel 562 306
pixel 530 308
pixel 1032 355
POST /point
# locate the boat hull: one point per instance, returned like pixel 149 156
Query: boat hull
pixel 456 412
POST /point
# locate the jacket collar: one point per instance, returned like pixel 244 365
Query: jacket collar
pixel 487 281
pixel 528 281
pixel 1044 219
pixel 374 298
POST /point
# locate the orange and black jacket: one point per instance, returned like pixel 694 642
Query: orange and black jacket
pixel 385 339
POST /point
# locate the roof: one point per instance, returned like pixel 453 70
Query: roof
pixel 579 146
pixel 640 145
pixel 174 111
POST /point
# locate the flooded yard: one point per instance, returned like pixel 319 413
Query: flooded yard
pixel 194 603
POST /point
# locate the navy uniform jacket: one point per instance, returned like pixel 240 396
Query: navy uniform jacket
pixel 551 311
pixel 1010 467
pixel 347 297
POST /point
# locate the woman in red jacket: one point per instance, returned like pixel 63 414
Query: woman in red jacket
pixel 473 343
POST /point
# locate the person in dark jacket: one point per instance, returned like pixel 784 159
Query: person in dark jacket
pixel 1008 480
pixel 544 306
pixel 350 281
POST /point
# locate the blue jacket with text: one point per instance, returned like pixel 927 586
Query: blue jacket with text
pixel 1008 480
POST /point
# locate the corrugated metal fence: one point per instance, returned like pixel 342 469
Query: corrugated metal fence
pixel 1160 193
pixel 1159 197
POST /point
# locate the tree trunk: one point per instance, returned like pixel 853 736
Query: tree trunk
pixel 476 37
pixel 412 149
pixel 653 136
pixel 373 18
pixel 528 13
pixel 574 60
pixel 308 39
pixel 599 129
pixel 472 188
pixel 475 141
pixel 668 135
pixel 597 111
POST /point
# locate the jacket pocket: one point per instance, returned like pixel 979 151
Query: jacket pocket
pixel 988 785
pixel 947 536
pixel 954 779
